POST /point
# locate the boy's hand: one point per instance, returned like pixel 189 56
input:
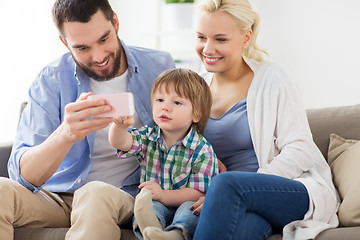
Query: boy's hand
pixel 119 137
pixel 124 121
pixel 154 188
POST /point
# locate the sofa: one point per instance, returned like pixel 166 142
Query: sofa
pixel 342 123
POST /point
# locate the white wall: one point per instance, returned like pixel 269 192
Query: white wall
pixel 317 40
pixel 28 41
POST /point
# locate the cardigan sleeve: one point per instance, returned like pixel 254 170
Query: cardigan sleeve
pixel 278 124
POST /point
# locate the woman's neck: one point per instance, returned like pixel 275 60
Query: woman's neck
pixel 228 88
pixel 234 74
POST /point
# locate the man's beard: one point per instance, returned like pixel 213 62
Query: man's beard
pixel 108 76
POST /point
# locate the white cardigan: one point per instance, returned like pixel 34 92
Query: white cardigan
pixel 284 146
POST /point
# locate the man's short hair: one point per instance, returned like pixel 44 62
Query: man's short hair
pixel 79 11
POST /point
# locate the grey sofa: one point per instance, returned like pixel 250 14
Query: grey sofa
pixel 344 121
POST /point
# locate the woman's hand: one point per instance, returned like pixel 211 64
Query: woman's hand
pixel 222 167
pixel 196 207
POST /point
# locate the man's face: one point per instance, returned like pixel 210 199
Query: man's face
pixel 95 46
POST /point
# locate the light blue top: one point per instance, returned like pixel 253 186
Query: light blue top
pixel 62 82
pixel 230 137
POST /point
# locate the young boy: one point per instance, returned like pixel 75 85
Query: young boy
pixel 177 162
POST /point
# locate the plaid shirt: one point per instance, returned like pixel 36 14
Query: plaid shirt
pixel 190 163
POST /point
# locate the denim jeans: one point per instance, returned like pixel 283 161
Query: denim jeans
pixel 171 218
pixel 244 205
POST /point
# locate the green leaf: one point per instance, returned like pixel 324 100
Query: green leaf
pixel 179 1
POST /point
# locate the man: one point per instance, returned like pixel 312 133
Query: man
pixel 60 146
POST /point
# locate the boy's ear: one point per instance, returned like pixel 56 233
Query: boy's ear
pixel 196 118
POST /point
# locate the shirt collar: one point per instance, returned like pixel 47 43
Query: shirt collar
pixel 132 64
pixel 155 135
pixel 80 75
pixel 189 141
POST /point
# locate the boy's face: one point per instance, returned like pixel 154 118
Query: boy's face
pixel 171 112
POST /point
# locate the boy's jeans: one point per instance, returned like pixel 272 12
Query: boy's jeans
pixel 171 218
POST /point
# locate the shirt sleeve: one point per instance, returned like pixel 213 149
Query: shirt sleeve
pixel 139 144
pixel 204 168
pixel 32 129
pixel 282 137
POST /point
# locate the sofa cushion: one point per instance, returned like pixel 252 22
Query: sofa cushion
pixel 344 160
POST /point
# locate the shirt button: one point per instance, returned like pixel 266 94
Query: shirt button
pixel 79 180
pixel 89 155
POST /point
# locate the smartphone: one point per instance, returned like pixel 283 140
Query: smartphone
pixel 122 104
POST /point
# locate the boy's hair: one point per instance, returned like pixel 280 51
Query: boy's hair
pixel 79 11
pixel 190 85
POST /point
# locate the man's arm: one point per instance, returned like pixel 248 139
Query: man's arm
pixel 39 163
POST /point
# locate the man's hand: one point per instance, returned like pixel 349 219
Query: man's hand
pixel 40 162
pixel 78 118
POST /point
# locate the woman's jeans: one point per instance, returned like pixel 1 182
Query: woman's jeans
pixel 172 218
pixel 244 205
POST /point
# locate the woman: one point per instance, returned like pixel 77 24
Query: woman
pixel 277 179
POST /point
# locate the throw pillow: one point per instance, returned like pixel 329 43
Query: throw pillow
pixel 344 161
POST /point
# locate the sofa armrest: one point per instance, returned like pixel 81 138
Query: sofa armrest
pixel 5 150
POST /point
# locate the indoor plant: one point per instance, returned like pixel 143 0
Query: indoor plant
pixel 179 14
pixel 179 1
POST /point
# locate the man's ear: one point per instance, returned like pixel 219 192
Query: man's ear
pixel 64 41
pixel 116 22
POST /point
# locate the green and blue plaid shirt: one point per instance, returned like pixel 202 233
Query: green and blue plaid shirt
pixel 190 163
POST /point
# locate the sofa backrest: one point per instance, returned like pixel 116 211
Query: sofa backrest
pixel 343 121
pixel 5 149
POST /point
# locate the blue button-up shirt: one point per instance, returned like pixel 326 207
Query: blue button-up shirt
pixel 62 82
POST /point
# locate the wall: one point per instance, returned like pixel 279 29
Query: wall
pixel 28 41
pixel 317 40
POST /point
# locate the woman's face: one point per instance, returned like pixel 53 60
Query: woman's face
pixel 220 42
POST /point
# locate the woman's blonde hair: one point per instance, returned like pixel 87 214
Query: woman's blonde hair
pixel 187 84
pixel 246 18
